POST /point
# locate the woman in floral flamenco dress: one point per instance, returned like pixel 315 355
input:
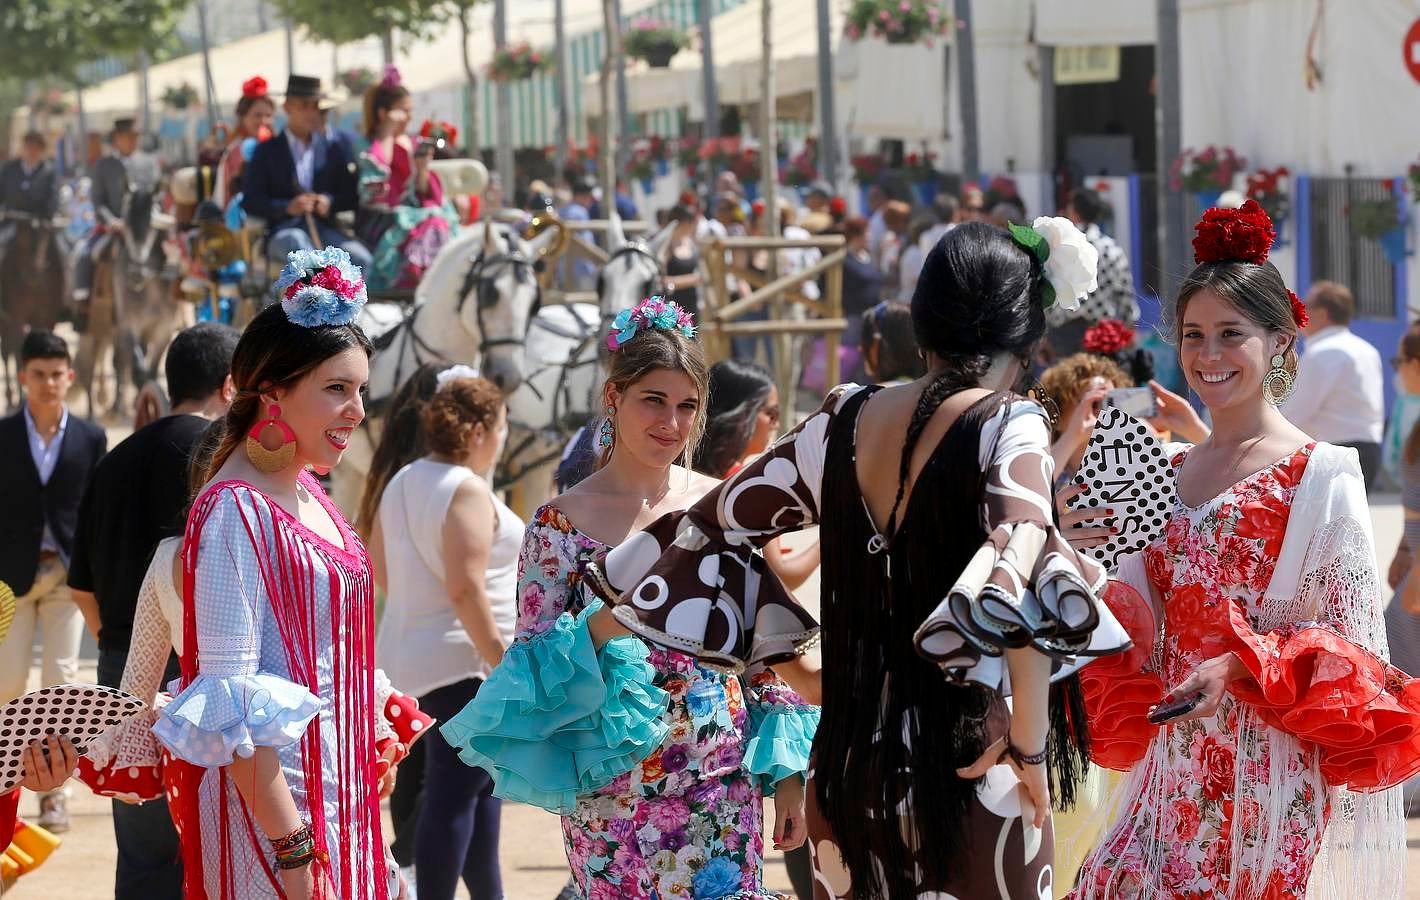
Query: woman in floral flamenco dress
pixel 656 763
pixel 1285 726
pixel 404 216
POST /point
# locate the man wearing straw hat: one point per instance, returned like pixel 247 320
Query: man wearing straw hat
pixel 300 179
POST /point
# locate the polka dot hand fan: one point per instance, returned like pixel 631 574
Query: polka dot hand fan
pixel 7 609
pixel 79 712
pixel 1126 468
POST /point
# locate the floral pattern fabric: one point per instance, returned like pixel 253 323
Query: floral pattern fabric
pixel 1222 552
pixel 686 821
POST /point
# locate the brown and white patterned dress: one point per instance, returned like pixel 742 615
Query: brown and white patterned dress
pixel 975 566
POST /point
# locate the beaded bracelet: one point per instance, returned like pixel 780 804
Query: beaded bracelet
pixel 1025 759
pixel 295 836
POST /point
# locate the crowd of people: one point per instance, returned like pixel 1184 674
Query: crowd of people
pixel 633 658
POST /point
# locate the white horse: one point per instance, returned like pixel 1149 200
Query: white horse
pixel 563 370
pixel 472 306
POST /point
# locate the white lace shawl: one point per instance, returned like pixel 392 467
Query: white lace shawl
pixel 1326 573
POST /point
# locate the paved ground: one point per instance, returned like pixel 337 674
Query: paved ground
pixel 534 867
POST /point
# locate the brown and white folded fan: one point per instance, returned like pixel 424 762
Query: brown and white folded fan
pixel 79 712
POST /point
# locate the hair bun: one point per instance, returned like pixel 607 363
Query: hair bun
pixel 1234 235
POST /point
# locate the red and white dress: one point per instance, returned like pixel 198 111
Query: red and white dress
pixel 1281 792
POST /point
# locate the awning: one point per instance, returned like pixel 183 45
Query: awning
pixel 1091 23
pixel 737 41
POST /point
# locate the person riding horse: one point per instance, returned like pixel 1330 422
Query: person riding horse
pixel 117 176
pixel 29 192
pixel 300 179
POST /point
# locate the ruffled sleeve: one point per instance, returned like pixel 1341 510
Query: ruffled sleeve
pixel 1025 586
pixel 1119 690
pixel 557 719
pixel 1326 679
pixel 232 707
pixel 781 730
pixel 691 581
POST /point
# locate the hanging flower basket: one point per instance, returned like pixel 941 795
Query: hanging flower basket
pixel 1209 170
pixel 1266 187
pixel 358 79
pixel 1382 221
pixel 867 167
pixel 517 62
pixel 746 166
pixel 654 41
pixel 897 21
pixel 179 96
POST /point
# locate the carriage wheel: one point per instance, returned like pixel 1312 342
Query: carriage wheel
pixel 151 405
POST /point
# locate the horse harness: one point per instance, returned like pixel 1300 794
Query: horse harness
pixel 481 277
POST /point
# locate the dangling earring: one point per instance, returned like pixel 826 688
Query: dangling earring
pixel 267 460
pixel 607 436
pixel 1277 384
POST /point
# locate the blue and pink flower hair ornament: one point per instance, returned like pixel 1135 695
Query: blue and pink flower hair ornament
pixel 321 287
pixel 653 312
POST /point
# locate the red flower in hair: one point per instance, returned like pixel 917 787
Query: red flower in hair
pixel 254 87
pixel 1299 311
pixel 838 206
pixel 1108 337
pixel 757 208
pixel 1234 235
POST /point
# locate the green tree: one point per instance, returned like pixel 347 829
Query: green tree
pixel 52 39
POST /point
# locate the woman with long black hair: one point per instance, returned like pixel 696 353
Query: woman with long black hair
pixel 940 558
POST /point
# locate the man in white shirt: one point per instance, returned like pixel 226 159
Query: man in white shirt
pixel 1339 393
pixel 48 455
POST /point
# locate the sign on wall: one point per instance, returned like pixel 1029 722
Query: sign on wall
pixel 1086 65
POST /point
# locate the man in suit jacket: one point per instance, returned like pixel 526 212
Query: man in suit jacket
pixel 115 177
pixel 49 455
pixel 300 179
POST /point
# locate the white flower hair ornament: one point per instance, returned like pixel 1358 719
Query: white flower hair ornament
pixel 453 373
pixel 1070 262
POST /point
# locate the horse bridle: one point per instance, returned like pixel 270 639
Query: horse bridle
pixel 630 248
pixel 482 274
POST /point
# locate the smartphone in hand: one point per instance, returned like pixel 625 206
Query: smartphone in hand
pixel 1138 402
pixel 1180 707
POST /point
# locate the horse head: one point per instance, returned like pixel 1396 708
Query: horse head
pixel 499 297
pixel 632 271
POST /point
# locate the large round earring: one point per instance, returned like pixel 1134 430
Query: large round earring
pixel 1277 384
pixel 607 436
pixel 266 459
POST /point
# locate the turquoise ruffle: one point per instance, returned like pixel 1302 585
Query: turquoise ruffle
pixel 781 738
pixel 221 716
pixel 556 720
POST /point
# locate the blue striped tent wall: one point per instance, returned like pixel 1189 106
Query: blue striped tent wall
pixel 534 100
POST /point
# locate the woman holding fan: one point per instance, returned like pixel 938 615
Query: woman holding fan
pixel 1262 771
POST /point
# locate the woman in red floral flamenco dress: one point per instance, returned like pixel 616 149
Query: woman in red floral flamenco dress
pixel 1274 784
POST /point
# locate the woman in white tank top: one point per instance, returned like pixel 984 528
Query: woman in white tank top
pixel 445 550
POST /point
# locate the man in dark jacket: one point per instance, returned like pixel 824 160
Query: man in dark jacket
pixel 137 497
pixel 29 186
pixel 300 179
pixel 116 176
pixel 49 456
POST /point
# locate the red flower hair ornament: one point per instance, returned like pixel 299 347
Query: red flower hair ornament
pixel 1234 235
pixel 1240 235
pixel 254 87
pixel 1108 337
pixel 1299 311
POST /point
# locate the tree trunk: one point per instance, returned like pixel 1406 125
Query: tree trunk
pixel 610 63
pixel 564 113
pixel 145 102
pixel 209 89
pixel 505 162
pixel 387 46
pixel 472 138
